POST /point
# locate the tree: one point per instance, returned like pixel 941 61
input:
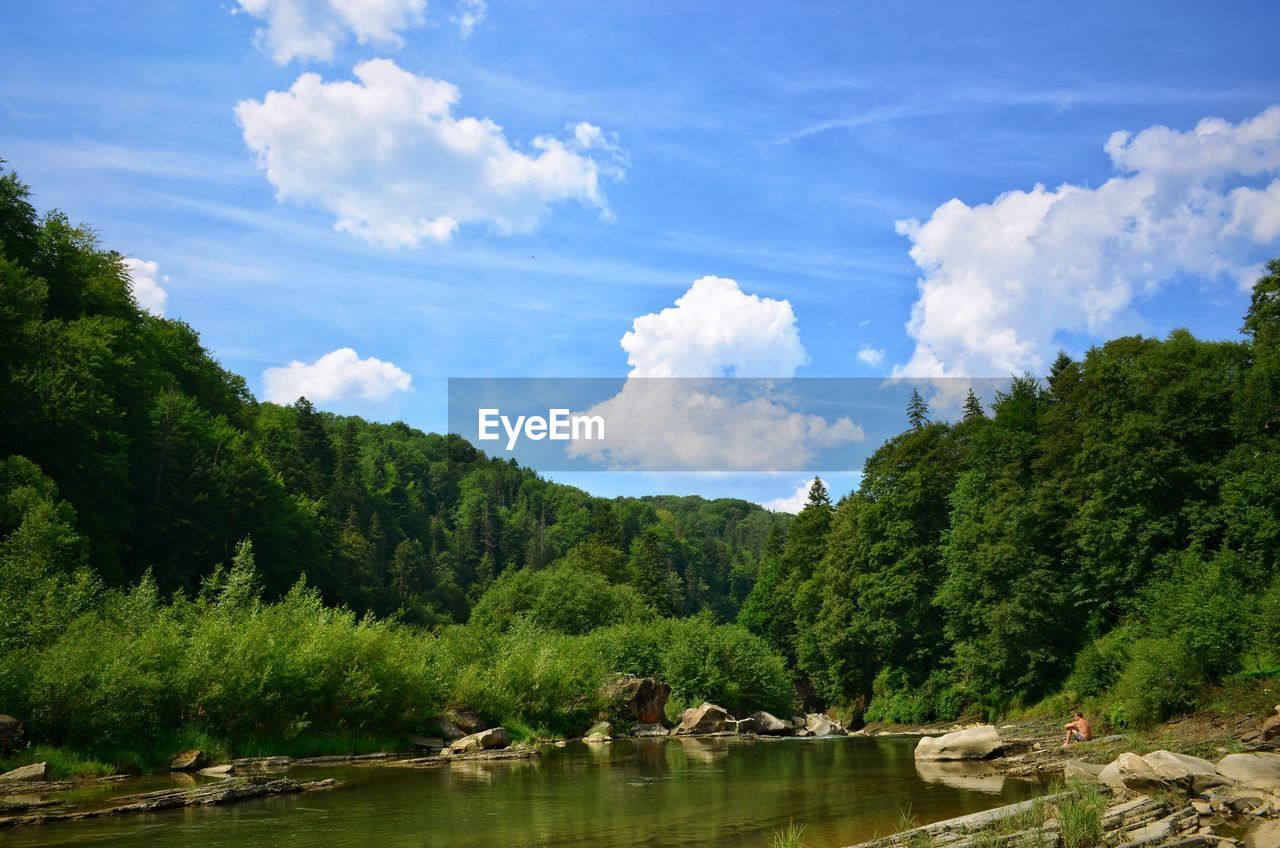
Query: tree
pixel 917 410
pixel 973 410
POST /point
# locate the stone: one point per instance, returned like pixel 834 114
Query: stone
pixel 645 731
pixel 974 743
pixel 1257 771
pixel 602 728
pixel 485 740
pixel 32 773
pixel 10 732
pixel 1137 775
pixel 224 770
pixel 1263 835
pixel 466 721
pixel 768 724
pixel 705 718
pixel 1183 770
pixel 820 724
pixel 643 698
pixel 449 731
pixel 187 760
pixel 431 743
pixel 597 738
pixel 1110 776
pixel 1081 771
pixel 1270 727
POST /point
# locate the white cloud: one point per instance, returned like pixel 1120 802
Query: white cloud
pixel 313 29
pixel 386 155
pixel 1001 280
pixel 714 331
pixel 145 281
pixel 793 502
pixel 468 15
pixel 338 375
pixel 871 355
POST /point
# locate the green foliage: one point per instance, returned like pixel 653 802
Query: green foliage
pixel 560 599
pixel 791 836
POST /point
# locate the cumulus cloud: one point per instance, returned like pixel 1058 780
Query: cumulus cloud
pixel 338 375
pixel 313 29
pixel 793 502
pixel 469 14
pixel 1002 280
pixel 715 330
pixel 677 410
pixel 145 281
pixel 871 355
pixel 386 155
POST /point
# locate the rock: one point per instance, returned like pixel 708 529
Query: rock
pixel 1110 776
pixel 449 731
pixel 1081 771
pixel 597 738
pixel 706 718
pixel 769 724
pixel 10 732
pixel 602 728
pixel 1182 770
pixel 644 731
pixel 30 774
pixel 224 770
pixel 430 743
pixel 823 725
pixel 1137 775
pixel 1270 727
pixel 1263 835
pixel 975 743
pixel 187 760
pixel 466 721
pixel 645 698
pixel 1258 771
pixel 485 740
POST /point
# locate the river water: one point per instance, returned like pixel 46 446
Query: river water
pixel 650 793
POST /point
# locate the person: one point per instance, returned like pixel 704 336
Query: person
pixel 1078 730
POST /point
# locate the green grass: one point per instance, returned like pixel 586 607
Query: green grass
pixel 791 836
pixel 1080 816
pixel 64 764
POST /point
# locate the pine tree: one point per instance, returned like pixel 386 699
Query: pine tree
pixel 917 411
pixel 973 407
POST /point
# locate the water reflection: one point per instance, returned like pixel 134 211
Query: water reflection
pixel 961 774
pixel 659 793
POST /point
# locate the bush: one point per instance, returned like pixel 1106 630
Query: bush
pixel 1099 664
pixel 562 599
pixel 894 699
pixel 1160 679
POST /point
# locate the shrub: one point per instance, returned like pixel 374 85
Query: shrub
pixel 562 599
pixel 1161 678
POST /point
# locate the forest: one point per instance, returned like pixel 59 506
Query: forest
pixel 182 565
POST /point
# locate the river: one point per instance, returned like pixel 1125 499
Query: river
pixel 651 793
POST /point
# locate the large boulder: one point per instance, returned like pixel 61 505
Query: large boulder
pixel 603 728
pixel 643 698
pixel 819 724
pixel 597 738
pixel 191 760
pixel 1189 772
pixel 1110 776
pixel 768 724
pixel 28 774
pixel 485 740
pixel 1271 727
pixel 1257 771
pixel 1137 775
pixel 705 718
pixel 1081 771
pixel 974 743
pixel 646 731
pixel 466 721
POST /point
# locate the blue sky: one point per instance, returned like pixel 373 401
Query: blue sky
pixel 771 144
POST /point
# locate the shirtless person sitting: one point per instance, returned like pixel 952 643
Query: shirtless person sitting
pixel 1078 730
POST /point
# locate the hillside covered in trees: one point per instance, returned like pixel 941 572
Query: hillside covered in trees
pixel 181 565
pixel 1111 534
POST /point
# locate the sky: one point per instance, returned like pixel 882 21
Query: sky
pixel 357 201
